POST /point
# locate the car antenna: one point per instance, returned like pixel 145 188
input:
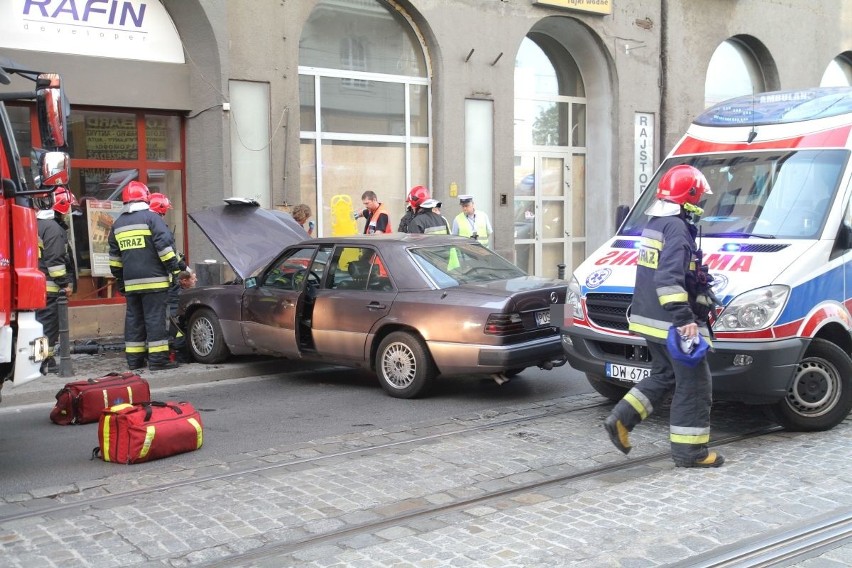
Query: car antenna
pixel 753 134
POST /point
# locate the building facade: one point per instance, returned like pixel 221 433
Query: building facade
pixel 551 113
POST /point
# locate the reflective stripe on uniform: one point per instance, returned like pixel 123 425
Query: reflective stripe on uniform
pixel 158 346
pixel 669 294
pixel 649 326
pixel 689 435
pixel 138 230
pixel 639 402
pixel 134 347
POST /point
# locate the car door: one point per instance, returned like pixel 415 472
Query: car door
pixel 270 308
pixel 358 293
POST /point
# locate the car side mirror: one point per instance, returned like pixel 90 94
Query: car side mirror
pixel 53 109
pixel 251 282
pixel 49 169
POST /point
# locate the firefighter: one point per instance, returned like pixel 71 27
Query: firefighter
pixel 160 204
pixel 427 221
pixel 143 260
pixel 665 299
pixel 55 261
pixel 416 196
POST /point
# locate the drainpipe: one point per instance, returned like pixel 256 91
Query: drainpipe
pixel 664 58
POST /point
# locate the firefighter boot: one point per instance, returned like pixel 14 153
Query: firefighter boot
pixel 618 433
pixel 712 459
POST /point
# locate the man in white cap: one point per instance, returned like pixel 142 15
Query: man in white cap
pixel 472 223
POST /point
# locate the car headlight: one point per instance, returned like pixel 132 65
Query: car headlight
pixel 756 309
pixel 572 298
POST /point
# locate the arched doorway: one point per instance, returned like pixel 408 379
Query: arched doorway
pixel 550 155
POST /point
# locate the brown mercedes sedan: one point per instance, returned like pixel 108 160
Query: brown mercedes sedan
pixel 408 307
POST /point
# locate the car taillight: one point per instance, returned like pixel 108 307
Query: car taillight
pixel 503 324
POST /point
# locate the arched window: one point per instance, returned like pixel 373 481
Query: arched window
pixel 364 102
pixel 733 71
pixel 839 72
pixel 550 157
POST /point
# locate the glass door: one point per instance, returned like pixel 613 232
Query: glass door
pixel 549 203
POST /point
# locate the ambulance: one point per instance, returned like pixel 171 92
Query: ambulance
pixel 776 235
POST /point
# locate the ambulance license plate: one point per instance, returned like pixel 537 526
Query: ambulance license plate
pixel 626 372
pixel 542 318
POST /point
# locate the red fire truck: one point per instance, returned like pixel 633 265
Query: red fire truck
pixel 23 347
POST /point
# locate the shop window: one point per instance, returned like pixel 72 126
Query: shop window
pixel 364 109
pixel 839 72
pixel 109 149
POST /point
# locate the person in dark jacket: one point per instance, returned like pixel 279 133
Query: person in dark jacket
pixel 415 197
pixel 56 262
pixel 665 295
pixel 143 261
pixel 427 221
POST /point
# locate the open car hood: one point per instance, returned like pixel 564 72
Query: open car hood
pixel 248 236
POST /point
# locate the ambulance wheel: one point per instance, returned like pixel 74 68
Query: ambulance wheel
pixel 820 395
pixel 606 389
pixel 205 337
pixel 404 366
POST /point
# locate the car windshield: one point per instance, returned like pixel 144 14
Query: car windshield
pixel 452 265
pixel 773 194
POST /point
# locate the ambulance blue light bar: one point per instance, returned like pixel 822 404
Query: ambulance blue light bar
pixel 779 107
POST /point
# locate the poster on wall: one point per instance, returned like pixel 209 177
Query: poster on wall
pixel 101 215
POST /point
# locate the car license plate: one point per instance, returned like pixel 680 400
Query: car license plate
pixel 626 372
pixel 542 318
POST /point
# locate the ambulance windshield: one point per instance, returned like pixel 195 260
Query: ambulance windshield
pixel 783 194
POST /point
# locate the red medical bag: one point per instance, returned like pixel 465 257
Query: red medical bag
pixel 134 433
pixel 83 401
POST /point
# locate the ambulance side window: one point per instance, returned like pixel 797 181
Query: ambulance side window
pixel 844 237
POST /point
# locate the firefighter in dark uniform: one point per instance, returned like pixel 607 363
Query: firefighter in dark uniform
pixel 665 296
pixel 415 197
pixel 160 204
pixel 142 258
pixel 55 261
pixel 426 221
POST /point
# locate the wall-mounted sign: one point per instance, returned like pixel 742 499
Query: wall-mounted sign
pixel 594 6
pixel 643 151
pixel 120 29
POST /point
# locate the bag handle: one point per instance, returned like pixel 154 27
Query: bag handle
pixel 112 374
pixel 148 408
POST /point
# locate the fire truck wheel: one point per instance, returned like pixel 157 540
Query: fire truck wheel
pixel 605 388
pixel 820 395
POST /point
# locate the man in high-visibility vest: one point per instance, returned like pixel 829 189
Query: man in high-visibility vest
pixel 472 223
pixel 378 220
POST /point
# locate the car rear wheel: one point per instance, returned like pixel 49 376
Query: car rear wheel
pixel 404 366
pixel 205 337
pixel 612 391
pixel 820 394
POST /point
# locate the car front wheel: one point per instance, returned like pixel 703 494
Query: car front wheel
pixel 820 395
pixel 205 337
pixel 612 391
pixel 404 366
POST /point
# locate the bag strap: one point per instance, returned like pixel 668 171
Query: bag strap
pixel 96 453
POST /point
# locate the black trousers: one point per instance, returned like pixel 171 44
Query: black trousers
pixel 145 332
pixel 49 319
pixel 689 419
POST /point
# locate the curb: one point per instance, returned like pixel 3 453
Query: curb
pixel 44 390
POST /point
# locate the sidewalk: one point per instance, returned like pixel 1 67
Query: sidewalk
pixel 92 366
